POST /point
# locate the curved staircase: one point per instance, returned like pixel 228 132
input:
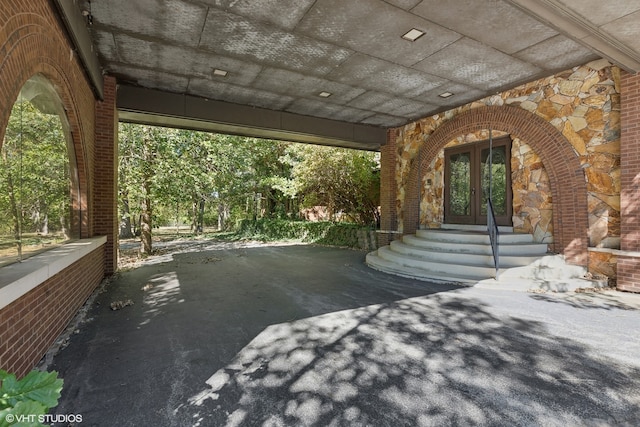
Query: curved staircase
pixel 455 253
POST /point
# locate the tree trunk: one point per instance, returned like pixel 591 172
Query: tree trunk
pixel 35 218
pixel 15 213
pixel 136 225
pixel 44 230
pixel 64 226
pixel 177 218
pixel 125 220
pixel 148 169
pixel 223 215
pixel 200 228
pixel 194 216
pixel 145 221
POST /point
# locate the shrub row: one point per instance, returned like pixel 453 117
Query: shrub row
pixel 326 233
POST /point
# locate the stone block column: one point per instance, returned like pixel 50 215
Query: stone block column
pixel 629 255
pixel 105 215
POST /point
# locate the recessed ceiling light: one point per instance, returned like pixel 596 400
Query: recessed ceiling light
pixel 413 35
pixel 220 73
pixel 445 95
pixel 324 94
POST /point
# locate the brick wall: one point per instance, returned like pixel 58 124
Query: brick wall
pixel 106 168
pixel 32 41
pixel 388 220
pixel 29 325
pixel 629 264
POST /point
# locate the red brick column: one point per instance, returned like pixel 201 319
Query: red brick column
pixel 105 215
pixel 388 215
pixel 629 256
pixel 33 41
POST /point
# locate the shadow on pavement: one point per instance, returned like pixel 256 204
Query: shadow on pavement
pixel 307 335
pixel 423 361
pixel 592 300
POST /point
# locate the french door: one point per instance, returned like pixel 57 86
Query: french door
pixel 467 178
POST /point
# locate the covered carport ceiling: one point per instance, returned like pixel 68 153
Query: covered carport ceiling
pixel 339 63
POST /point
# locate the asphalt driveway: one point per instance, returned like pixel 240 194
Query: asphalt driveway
pixel 223 334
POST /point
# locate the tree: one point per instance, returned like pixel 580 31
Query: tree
pixel 175 175
pixel 341 179
pixel 35 173
pixel 144 153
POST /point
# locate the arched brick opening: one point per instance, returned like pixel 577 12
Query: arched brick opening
pixel 568 186
pixel 33 47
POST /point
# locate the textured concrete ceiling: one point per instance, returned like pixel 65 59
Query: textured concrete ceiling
pixel 281 54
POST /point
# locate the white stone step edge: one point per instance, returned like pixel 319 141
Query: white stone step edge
pixel 471 227
pixel 462 258
pixel 438 267
pixel 380 264
pixel 472 237
pixel 477 248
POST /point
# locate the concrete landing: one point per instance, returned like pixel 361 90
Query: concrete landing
pixel 549 273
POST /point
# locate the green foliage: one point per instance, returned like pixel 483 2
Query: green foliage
pixel 193 175
pixel 343 180
pixel 175 177
pixel 34 157
pixel 34 178
pixel 460 185
pixel 326 233
pixel 28 397
pixel 497 175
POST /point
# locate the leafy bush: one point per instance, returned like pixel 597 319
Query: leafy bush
pixel 326 233
pixel 22 402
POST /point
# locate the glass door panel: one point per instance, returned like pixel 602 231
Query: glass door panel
pixel 460 188
pixel 467 180
pixel 498 181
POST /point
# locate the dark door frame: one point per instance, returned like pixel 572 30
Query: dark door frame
pixel 475 154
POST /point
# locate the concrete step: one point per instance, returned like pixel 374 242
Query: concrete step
pixel 456 253
pixel 463 255
pixel 549 273
pixel 472 227
pixel 472 237
pixel 381 264
pixel 436 266
pixel 467 255
pixel 524 249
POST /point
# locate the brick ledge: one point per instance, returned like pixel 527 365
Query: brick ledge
pixel 18 279
pixel 619 252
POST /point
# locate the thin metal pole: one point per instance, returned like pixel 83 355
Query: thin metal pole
pixel 20 176
pixel 420 187
pixel 490 165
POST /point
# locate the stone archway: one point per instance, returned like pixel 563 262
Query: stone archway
pixel 567 180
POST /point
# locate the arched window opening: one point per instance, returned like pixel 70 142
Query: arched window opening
pixel 37 175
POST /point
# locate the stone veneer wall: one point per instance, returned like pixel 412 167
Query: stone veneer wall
pixel 532 204
pixel 583 104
